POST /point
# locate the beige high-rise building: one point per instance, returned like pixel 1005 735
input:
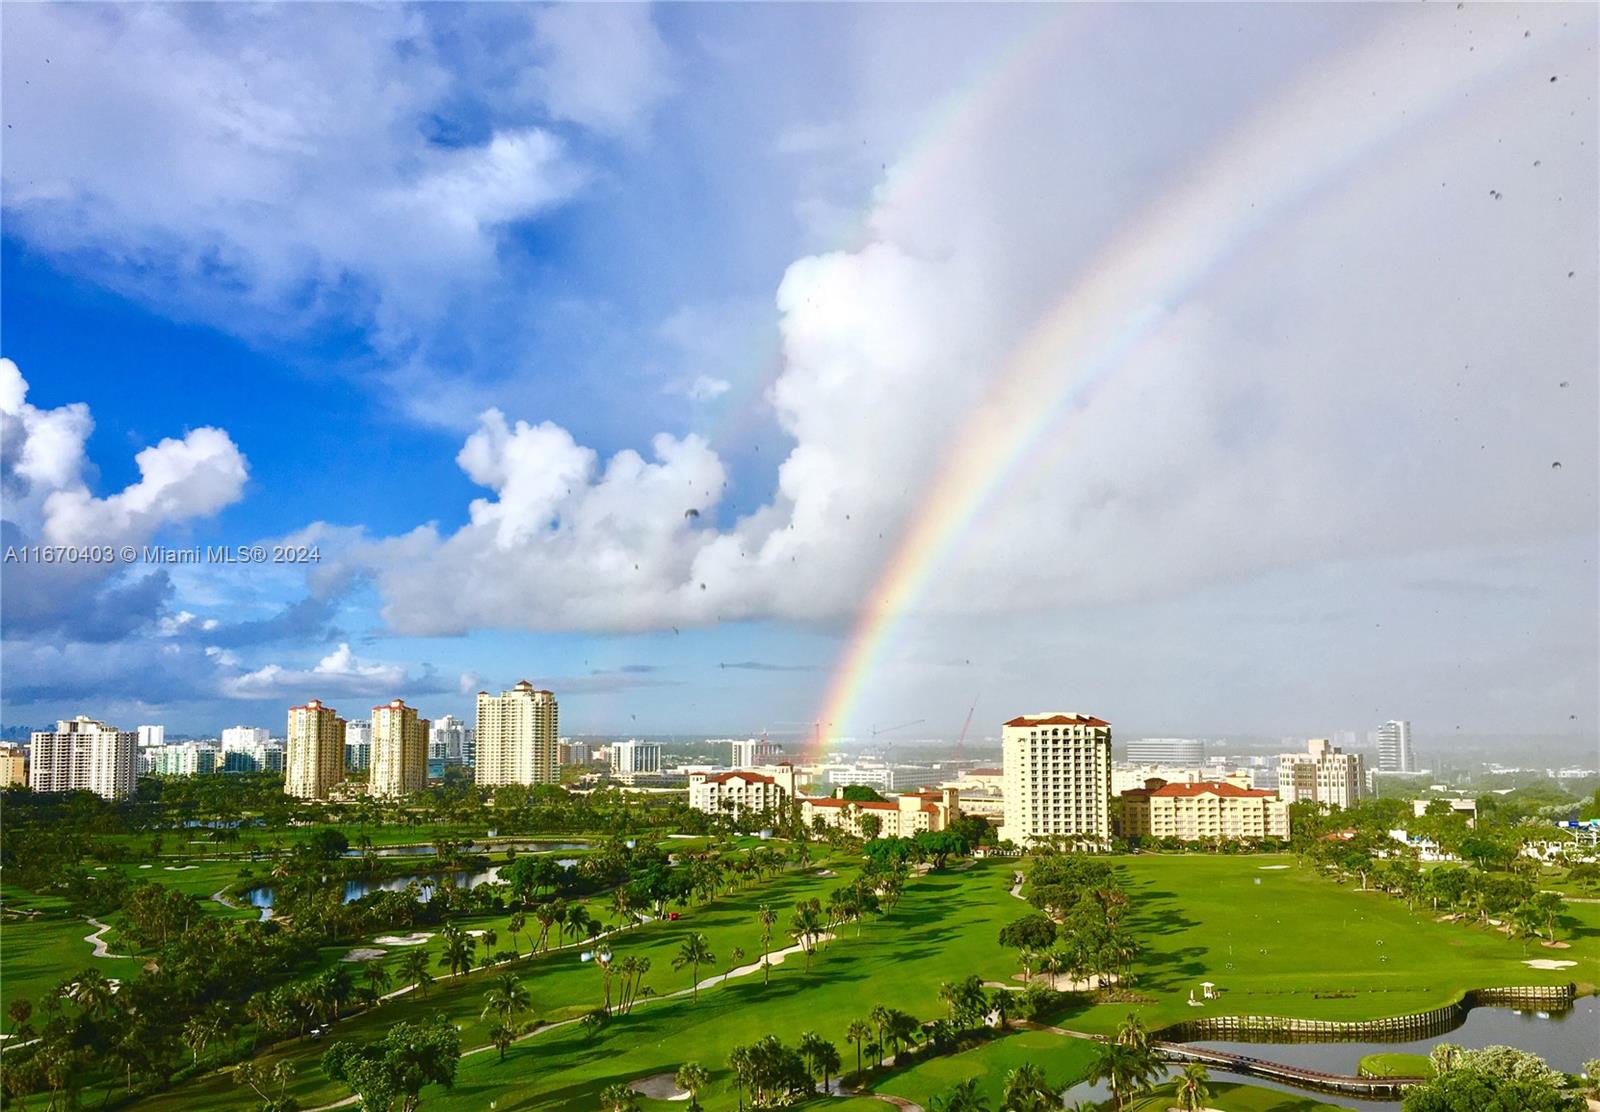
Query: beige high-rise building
pixel 399 750
pixel 314 760
pixel 516 737
pixel 13 766
pixel 84 755
pixel 1323 774
pixel 1057 778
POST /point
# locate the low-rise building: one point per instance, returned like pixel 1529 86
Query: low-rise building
pixel 740 792
pixel 1204 811
pixel 13 766
pixel 902 817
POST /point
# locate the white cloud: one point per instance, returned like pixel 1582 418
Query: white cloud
pixel 1227 389
pixel 600 65
pixel 341 672
pixel 705 388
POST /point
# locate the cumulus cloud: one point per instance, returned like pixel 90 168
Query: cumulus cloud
pixel 48 501
pixel 1302 342
pixel 341 672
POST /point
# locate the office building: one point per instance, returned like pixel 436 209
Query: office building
pixel 752 752
pixel 880 778
pixel 1394 747
pixel 573 752
pixel 152 735
pixel 357 746
pixel 516 737
pixel 314 751
pixel 84 755
pixel 1202 811
pixel 1323 774
pixel 741 792
pixel 399 750
pixel 1166 751
pixel 244 738
pixel 1057 781
pixel 635 758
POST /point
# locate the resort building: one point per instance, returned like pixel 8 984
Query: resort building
pixel 1057 781
pixel 516 737
pixel 1323 774
pixel 1394 747
pixel 399 750
pixel 314 751
pixel 739 792
pixel 84 755
pixel 1209 810
pixel 901 817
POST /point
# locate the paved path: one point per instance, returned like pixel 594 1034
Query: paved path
pixel 99 944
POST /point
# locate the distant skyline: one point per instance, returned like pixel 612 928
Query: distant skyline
pixel 1224 369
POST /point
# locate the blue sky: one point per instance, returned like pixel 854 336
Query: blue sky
pixel 619 347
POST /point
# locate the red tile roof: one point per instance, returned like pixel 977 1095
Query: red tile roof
pixel 829 802
pixel 1204 787
pixel 1059 720
pixel 750 777
pixel 988 771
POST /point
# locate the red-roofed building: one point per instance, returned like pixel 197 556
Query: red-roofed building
pixel 1057 781
pixel 1202 811
pixel 739 791
pixel 901 817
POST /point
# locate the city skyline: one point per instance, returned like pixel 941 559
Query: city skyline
pixel 712 419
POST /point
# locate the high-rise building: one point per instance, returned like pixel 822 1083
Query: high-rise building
pixel 1178 751
pixel 635 758
pixel 13 766
pixel 314 751
pixel 1057 778
pixel 184 758
pixel 357 746
pixel 516 737
pixel 1323 774
pixel 753 752
pixel 1394 747
pixel 448 740
pixel 84 755
pixel 152 735
pixel 244 738
pixel 399 750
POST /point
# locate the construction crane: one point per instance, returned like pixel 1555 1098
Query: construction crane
pixel 890 729
pixel 960 741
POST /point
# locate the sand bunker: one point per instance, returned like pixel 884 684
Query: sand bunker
pixel 1270 868
pixel 146 866
pixel 416 938
pixel 658 1086
pixel 179 868
pixel 364 953
pixel 1061 982
pixel 1549 963
pixel 1556 945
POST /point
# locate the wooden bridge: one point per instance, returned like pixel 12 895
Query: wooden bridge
pixel 1381 1088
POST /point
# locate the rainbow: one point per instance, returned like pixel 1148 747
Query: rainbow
pixel 1280 159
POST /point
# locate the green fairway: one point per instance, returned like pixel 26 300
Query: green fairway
pixel 40 952
pixel 1396 1065
pixel 1065 1061
pixel 1230 1096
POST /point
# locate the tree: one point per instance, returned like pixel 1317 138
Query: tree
pixel 390 1074
pixel 501 1037
pixel 1031 934
pixel 508 998
pixel 1027 1091
pixel 515 926
pixel 694 953
pixel 964 1096
pixel 820 1055
pixel 618 1098
pixel 19 1011
pixel 858 1032
pixel 458 947
pixel 1193 1092
pixel 692 1077
pixel 768 918
pixel 861 793
pixel 871 825
pixel 263 1082
pixel 1126 1070
pixel 414 967
pixel 377 980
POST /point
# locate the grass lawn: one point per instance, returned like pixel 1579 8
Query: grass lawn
pixel 1230 1096
pixel 1293 944
pixel 1396 1065
pixel 1285 941
pixel 1064 1060
pixel 40 952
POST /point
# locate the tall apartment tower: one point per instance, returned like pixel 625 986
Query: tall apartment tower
pixel 84 755
pixel 399 750
pixel 1057 777
pixel 1394 747
pixel 449 740
pixel 516 737
pixel 1323 774
pixel 314 758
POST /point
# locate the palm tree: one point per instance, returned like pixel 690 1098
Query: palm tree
pixel 858 1032
pixel 514 925
pixel 1026 1090
pixel 692 1077
pixel 547 915
pixel 1192 1089
pixel 618 1098
pixel 414 967
pixel 768 918
pixel 92 992
pixel 377 979
pixel 491 938
pixel 458 948
pixel 827 1060
pixel 810 1043
pixel 1127 1070
pixel 880 1020
pixel 694 953
pixel 507 998
pixel 964 1096
pixel 1130 1032
pixel 501 1037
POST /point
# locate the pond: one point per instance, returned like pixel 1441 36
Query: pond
pixel 426 849
pixel 355 888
